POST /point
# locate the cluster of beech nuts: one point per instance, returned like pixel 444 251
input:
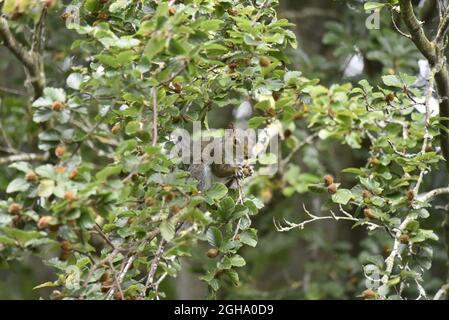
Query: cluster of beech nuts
pixel 329 183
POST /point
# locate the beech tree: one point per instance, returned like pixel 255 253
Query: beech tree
pixel 89 186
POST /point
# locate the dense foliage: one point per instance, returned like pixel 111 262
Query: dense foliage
pixel 90 189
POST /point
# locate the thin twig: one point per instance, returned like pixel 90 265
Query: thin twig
pixel 24 157
pixel 313 218
pixel 154 94
pixel 154 264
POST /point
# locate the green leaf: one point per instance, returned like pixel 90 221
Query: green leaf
pixel 56 94
pixel 237 261
pixel 267 159
pixel 249 237
pixel 21 166
pixel 392 81
pixel 342 196
pixel 217 191
pixel 21 236
pixel 46 188
pixel 74 80
pixel 368 6
pixel 167 230
pixel 6 241
pixel 214 237
pixel 46 285
pixel 132 127
pixel 210 25
pixel 18 184
pixel 110 170
pixel 153 47
pixel 119 5
pixel 255 122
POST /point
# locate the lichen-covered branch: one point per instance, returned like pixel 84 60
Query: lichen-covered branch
pixel 30 59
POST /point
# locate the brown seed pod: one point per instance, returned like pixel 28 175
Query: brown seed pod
pixel 103 16
pixel 389 97
pixel 66 15
pixel 31 176
pixel 60 169
pixel 271 112
pixel 212 253
pixel 298 116
pixel 368 294
pixel 237 237
pixel 66 245
pixel 64 255
pixel 118 295
pixel 59 151
pixel 368 213
pixel 105 278
pixel 404 238
pixel 15 208
pixel 328 180
pixel 172 10
pixel 44 222
pixel 233 65
pixel 276 95
pixel 170 196
pixel 57 106
pixel 374 161
pixel 332 188
pixel 410 195
pixel 232 12
pixel 149 201
pixel 177 87
pixel 73 174
pixel 366 194
pixel 116 128
pixel 69 196
pixel 175 209
pixel 264 62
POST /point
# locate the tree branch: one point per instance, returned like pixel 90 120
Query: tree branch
pixel 29 59
pixel 442 28
pixel 24 157
pixel 432 194
pixel 432 51
pixel 154 94
pixel 154 264
pixel 420 39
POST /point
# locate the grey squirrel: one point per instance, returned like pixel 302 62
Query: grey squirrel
pixel 231 173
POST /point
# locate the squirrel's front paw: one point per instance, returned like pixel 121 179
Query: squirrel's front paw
pixel 243 172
